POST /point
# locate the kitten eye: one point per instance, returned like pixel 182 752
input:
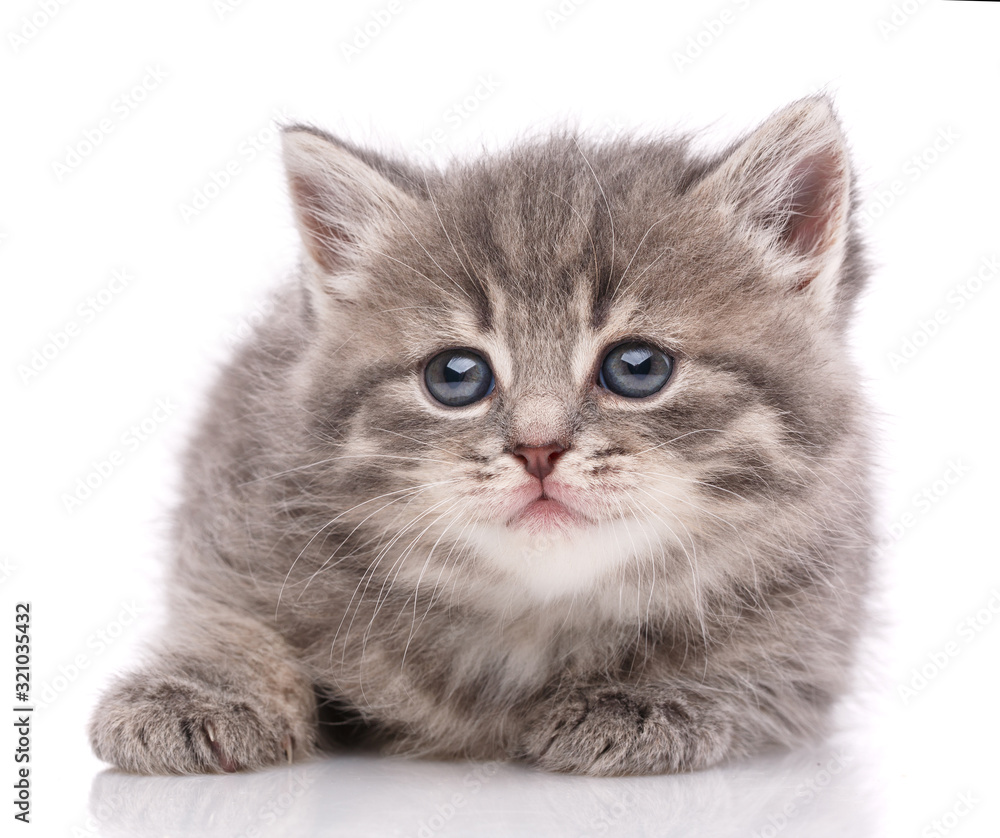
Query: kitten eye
pixel 457 377
pixel 635 370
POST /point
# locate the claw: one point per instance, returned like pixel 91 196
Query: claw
pixel 286 746
pixel 226 763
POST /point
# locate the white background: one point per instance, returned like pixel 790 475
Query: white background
pixel 903 80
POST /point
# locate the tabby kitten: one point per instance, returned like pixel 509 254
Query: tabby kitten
pixel 554 455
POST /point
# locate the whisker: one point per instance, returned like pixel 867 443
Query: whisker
pixel 638 247
pixel 336 518
pixel 420 442
pixel 369 575
pixel 681 436
pixel 607 203
pixel 692 562
pixel 409 497
pixel 339 457
pixel 437 213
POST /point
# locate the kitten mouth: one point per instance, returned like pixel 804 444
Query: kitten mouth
pixel 546 513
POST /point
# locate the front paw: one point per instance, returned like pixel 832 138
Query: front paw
pixel 167 724
pixel 623 729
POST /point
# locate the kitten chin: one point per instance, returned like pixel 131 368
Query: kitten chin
pixel 554 455
pixel 550 561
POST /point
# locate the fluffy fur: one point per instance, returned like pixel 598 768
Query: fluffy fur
pixel 345 551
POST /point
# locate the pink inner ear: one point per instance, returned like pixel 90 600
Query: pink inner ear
pixel 324 239
pixel 814 207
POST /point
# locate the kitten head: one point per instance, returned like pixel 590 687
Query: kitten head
pixel 576 359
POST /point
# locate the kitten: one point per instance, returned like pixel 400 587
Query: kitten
pixel 555 455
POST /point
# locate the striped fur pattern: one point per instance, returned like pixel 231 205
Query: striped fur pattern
pixel 345 557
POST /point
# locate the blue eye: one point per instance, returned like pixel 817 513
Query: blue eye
pixel 635 370
pixel 457 377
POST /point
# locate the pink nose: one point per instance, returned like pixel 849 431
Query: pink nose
pixel 539 460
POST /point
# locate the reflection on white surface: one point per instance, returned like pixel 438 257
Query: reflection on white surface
pixel 815 793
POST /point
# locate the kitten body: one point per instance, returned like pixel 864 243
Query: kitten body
pixel 554 571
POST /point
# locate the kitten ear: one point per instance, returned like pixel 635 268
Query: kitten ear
pixel 340 202
pixel 788 188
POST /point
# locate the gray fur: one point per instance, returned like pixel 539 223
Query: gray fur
pixel 338 553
